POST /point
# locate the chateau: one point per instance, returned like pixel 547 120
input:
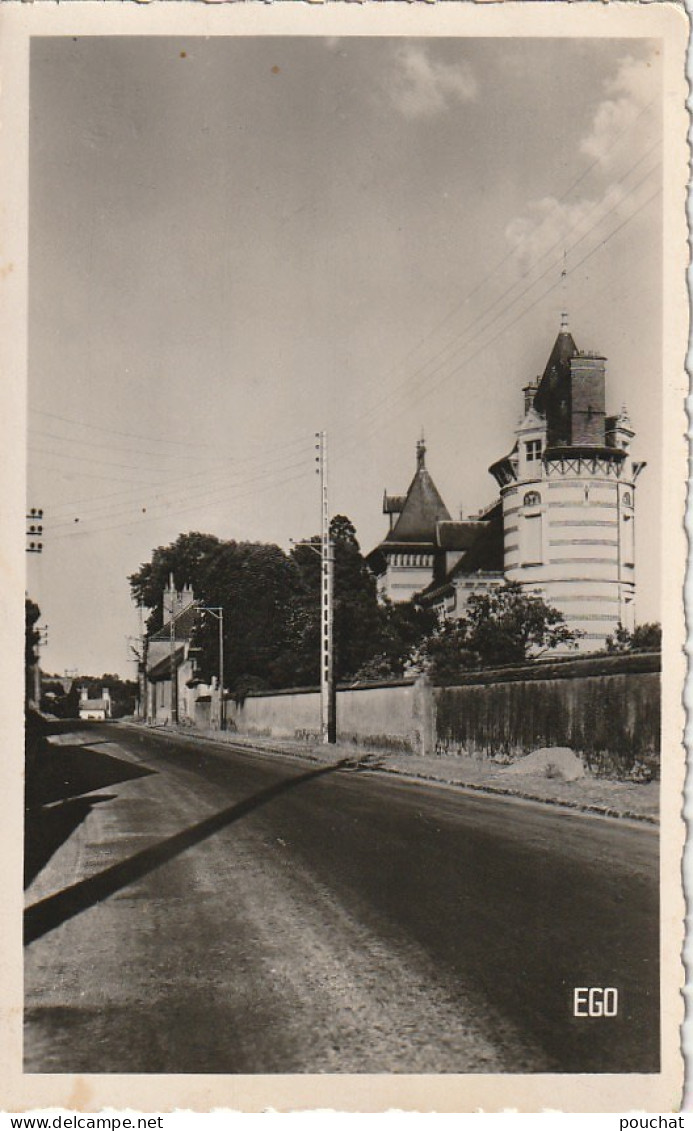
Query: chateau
pixel 563 526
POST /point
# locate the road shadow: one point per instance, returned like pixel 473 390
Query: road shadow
pixel 56 773
pixel 48 827
pixel 49 913
pixel 56 779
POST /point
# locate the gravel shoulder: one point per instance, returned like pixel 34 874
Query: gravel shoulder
pixel 633 800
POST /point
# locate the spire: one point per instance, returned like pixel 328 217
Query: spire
pixel 564 295
pixel 421 451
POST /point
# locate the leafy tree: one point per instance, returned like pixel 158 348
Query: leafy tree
pixel 254 583
pixel 185 559
pixel 31 641
pixel 358 620
pixel 508 625
pixel 402 629
pixel 503 626
pixel 447 653
pixel 643 638
pixel 271 604
pixel 31 633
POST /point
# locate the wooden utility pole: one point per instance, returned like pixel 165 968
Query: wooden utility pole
pixel 328 698
pixel 172 640
pixel 217 612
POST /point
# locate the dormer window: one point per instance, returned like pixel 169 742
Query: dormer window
pixel 532 450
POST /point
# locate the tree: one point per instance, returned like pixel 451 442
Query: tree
pixel 508 625
pixel 255 585
pixel 643 638
pixel 252 582
pixel 185 559
pixel 31 642
pixel 31 634
pixel 447 653
pixel 402 629
pixel 271 604
pixel 358 621
pixel 503 626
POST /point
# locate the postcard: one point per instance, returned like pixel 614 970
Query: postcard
pixel 344 353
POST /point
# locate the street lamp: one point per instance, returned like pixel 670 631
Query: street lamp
pixel 218 612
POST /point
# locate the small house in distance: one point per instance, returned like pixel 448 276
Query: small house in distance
pixel 94 708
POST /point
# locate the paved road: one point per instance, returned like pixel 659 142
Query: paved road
pixel 205 909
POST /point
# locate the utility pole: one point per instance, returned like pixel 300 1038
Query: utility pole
pixel 217 612
pixel 328 699
pixel 172 642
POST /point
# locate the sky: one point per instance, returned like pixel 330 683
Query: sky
pixel 237 242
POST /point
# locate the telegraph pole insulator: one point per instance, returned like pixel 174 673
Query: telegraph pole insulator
pixel 34 531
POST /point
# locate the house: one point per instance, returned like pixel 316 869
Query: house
pixel 94 708
pixel 563 526
pixel 168 654
pixel 428 555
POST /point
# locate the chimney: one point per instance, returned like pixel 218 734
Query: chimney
pixel 530 391
pixel 588 400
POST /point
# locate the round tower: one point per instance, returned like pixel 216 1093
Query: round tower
pixel 568 494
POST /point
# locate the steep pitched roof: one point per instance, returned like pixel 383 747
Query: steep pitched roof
pixel 482 543
pixel 553 395
pixel 459 535
pixel 184 622
pixel 423 507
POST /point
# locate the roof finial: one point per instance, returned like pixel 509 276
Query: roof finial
pixel 420 450
pixel 564 300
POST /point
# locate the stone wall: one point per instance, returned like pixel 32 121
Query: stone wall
pixel 394 715
pixel 605 708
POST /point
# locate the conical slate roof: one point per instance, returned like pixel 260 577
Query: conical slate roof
pixel 423 507
pixel 554 393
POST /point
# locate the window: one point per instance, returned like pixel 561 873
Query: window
pixel 533 450
pixel 627 500
pixel 532 499
pixel 532 551
pixel 628 544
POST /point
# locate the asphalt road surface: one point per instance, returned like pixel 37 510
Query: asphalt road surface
pixel 195 908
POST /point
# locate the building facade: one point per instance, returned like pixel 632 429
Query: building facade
pixel 568 496
pixel 563 527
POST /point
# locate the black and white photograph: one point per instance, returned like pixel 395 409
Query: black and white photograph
pixel 353 554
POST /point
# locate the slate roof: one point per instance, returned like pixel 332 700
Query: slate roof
pixel 553 395
pixel 482 542
pixel 161 668
pixel 459 535
pixel 423 509
pixel 183 625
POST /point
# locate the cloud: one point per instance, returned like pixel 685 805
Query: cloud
pixel 618 141
pixel 421 86
pixel 631 90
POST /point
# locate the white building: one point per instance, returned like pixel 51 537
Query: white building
pixel 564 526
pixel 568 496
